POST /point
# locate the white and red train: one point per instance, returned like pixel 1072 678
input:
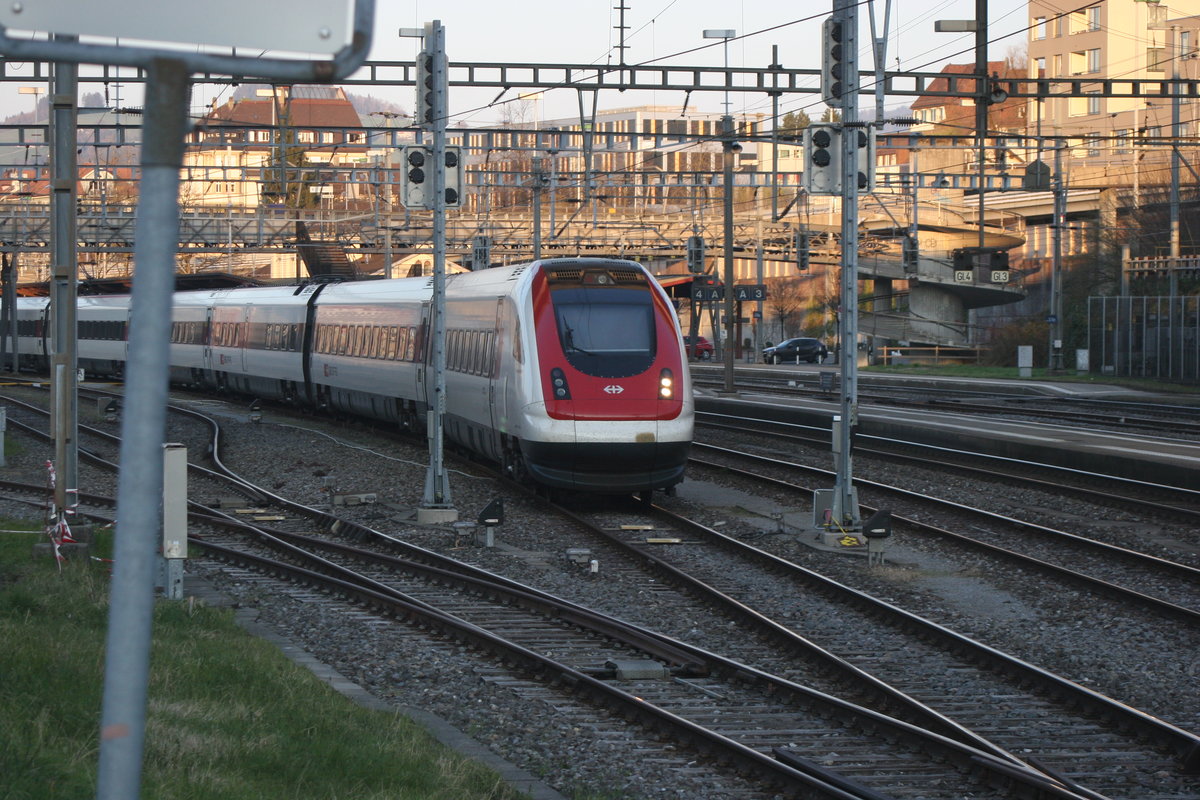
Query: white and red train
pixel 568 372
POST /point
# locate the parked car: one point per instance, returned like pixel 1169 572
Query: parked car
pixel 813 351
pixel 703 349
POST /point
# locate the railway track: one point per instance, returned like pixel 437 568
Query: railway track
pixel 1180 503
pixel 734 713
pixel 1166 587
pixel 1183 421
pixel 715 698
pixel 839 620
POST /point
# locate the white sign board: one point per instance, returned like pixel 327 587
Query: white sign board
pixel 319 27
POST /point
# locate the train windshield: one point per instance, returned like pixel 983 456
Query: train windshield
pixel 608 333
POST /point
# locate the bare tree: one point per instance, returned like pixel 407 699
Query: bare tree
pixel 1017 56
pixel 785 300
pixel 513 155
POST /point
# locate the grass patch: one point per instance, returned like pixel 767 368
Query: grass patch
pixel 229 717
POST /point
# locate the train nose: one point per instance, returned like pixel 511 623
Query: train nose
pixel 615 465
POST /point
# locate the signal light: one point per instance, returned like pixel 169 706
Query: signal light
pixel 414 178
pixel 834 79
pixel 823 159
pixel 416 160
pixel 865 138
pixel 802 256
pixel 425 89
pixel 454 177
pixel 416 184
pixel 909 253
pixel 695 253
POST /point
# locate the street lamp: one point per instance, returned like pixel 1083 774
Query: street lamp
pixel 726 34
pixel 36 91
pixel 983 96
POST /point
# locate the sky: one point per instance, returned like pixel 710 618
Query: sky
pixel 671 32
pixel 658 31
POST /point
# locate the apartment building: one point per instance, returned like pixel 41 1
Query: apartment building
pixel 630 154
pixel 235 148
pixel 943 116
pixel 1114 140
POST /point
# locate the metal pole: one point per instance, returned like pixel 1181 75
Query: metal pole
pixel 981 102
pixel 730 322
pixel 914 229
pixel 758 304
pixel 879 44
pixel 1060 218
pixel 845 507
pixel 8 319
pixel 774 141
pixel 1176 133
pixel 437 480
pixel 537 208
pixel 139 489
pixel 64 264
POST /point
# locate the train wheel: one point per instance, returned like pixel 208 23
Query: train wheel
pixel 514 465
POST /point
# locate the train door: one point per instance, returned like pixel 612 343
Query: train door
pixel 498 375
pixel 424 358
pixel 243 341
pixel 206 354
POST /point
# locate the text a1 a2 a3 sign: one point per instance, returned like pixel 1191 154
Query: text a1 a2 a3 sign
pixel 744 291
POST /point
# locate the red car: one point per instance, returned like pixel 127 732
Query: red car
pixel 702 350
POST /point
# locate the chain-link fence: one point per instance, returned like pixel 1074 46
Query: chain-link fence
pixel 1145 337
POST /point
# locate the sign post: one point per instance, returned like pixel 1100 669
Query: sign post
pixel 280 39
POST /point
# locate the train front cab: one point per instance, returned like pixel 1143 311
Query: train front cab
pixel 613 377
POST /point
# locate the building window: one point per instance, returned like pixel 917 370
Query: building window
pixel 1093 104
pixel 1121 141
pixel 1155 58
pixel 1039 28
pixel 1093 18
pixel 1077 21
pixel 1185 43
pixel 1093 60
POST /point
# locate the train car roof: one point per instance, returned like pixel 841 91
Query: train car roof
pixel 124 286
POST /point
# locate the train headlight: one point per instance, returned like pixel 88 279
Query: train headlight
pixel 558 380
pixel 666 385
